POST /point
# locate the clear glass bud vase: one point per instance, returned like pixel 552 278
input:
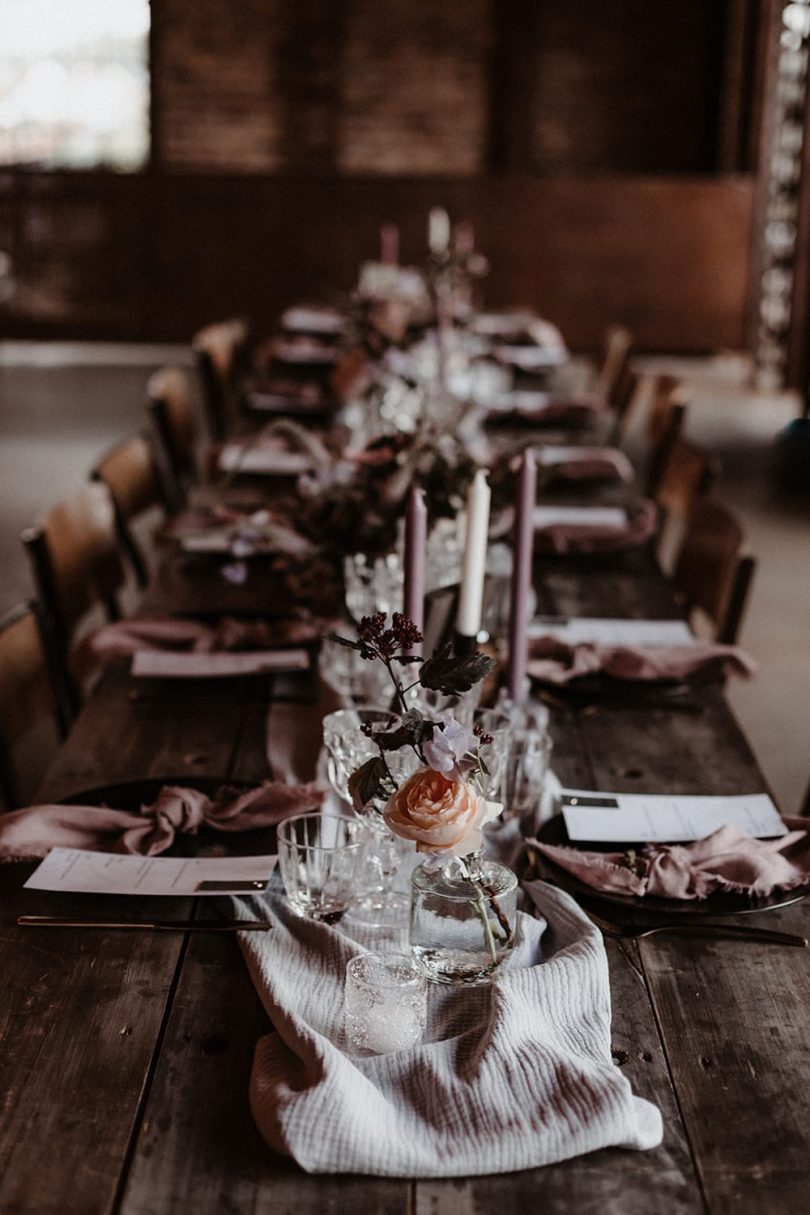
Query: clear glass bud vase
pixel 463 918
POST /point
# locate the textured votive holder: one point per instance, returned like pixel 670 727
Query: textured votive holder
pixel 385 1003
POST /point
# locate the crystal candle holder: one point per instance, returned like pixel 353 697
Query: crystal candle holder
pixel 385 1003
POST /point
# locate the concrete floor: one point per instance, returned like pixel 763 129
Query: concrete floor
pixel 61 404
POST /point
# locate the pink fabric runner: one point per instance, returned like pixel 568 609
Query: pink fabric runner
pixel 725 860
pixel 596 538
pixel 37 829
pixel 557 662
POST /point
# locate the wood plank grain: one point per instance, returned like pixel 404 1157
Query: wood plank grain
pixel 735 1020
pixel 198 1148
pixel 82 1012
pixel 136 728
pixel 733 1015
pixel 79 1018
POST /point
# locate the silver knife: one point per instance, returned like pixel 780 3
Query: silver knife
pixel 54 921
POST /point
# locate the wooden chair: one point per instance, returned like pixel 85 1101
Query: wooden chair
pixel 31 701
pixel 176 432
pixel 623 406
pixel 665 422
pixel 130 472
pixel 76 566
pixel 219 351
pixel 688 472
pixel 615 365
pixel 710 573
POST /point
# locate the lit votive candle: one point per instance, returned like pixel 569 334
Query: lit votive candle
pixel 385 1003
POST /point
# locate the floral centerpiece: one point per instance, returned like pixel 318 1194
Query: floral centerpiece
pixel 462 907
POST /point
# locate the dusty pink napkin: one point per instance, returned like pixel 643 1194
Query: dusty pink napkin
pixel 595 464
pixel 597 538
pixel 725 860
pixel 564 414
pixel 557 662
pixel 178 633
pixel 37 829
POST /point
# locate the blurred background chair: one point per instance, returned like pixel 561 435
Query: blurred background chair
pixel 615 364
pixel 711 573
pixel 220 352
pixel 130 472
pixel 665 422
pixel 33 711
pixel 689 471
pixel 77 571
pixel 176 431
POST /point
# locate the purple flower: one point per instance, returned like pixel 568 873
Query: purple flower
pixel 448 751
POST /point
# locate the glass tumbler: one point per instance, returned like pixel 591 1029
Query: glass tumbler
pixel 320 857
pixel 385 1003
pixel 378 903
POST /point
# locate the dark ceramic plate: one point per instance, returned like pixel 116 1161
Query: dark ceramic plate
pixel 131 795
pixel 650 907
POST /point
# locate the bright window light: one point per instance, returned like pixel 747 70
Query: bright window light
pixel 74 83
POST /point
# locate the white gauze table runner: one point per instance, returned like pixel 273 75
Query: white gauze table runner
pixel 511 1076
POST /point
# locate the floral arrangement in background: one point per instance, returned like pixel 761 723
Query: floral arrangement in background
pixel 355 504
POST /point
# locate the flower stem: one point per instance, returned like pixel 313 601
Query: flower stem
pixel 480 906
pixel 477 877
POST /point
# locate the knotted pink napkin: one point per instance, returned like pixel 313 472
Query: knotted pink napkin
pixel 725 860
pixel 177 633
pixel 557 662
pixel 37 829
pixel 597 538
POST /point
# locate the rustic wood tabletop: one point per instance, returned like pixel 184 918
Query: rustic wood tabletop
pixel 126 1056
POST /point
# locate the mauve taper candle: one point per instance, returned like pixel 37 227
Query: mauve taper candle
pixel 522 545
pixel 415 547
pixel 389 244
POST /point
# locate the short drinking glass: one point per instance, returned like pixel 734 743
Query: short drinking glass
pixel 320 857
pixel 385 1003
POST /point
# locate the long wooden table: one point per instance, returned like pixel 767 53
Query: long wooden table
pixel 125 1057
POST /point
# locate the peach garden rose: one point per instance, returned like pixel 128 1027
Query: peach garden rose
pixel 440 813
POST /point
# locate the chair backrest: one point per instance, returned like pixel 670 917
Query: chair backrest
pixel 76 564
pixel 174 422
pixel 130 473
pixel 623 405
pixel 710 573
pixel 688 472
pixel 667 392
pixel 29 695
pixel 665 424
pixel 218 351
pixel 618 345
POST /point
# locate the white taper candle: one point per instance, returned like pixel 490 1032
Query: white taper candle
pixel 471 594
